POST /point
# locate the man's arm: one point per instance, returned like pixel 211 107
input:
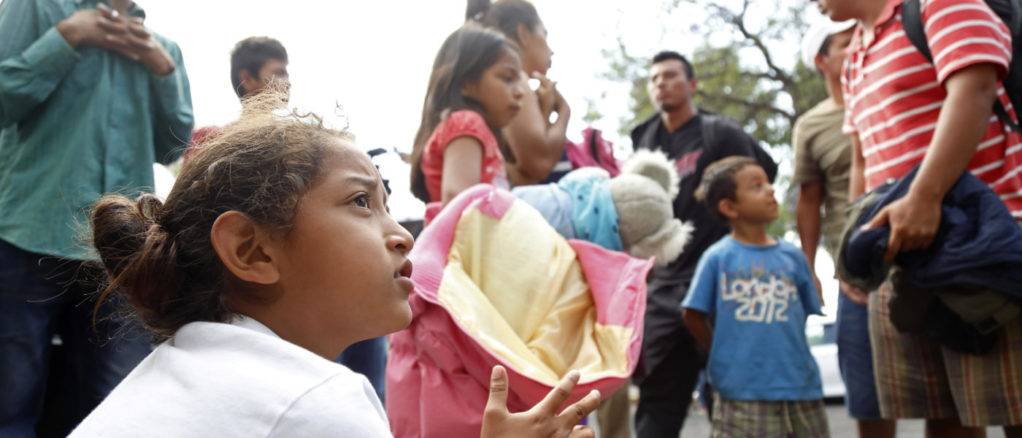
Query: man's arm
pixel 34 58
pixel 964 118
pixel 699 326
pixel 857 173
pixel 807 220
pixel 810 199
pixel 172 119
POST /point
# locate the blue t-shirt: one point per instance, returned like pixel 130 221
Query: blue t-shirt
pixel 758 298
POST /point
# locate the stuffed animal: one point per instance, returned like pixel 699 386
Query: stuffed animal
pixel 631 212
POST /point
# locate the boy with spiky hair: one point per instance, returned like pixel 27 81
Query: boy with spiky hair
pixel 748 306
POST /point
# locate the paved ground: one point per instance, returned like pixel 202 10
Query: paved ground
pixel 841 426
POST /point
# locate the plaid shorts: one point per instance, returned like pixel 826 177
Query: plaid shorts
pixel 917 378
pixel 768 419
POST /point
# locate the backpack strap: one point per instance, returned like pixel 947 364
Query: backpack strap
pixel 713 122
pixel 593 134
pixel 912 21
pixel 709 127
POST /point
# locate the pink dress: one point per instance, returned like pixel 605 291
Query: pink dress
pixel 460 124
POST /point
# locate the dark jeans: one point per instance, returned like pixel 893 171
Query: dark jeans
pixel 368 357
pixel 41 296
pixel 855 359
pixel 665 393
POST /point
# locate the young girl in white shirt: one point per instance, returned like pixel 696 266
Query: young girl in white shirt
pixel 273 253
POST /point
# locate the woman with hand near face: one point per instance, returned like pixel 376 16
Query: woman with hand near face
pixel 537 143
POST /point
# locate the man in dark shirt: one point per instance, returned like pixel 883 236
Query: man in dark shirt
pixel 693 138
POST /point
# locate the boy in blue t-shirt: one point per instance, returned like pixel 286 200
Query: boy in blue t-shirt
pixel 748 305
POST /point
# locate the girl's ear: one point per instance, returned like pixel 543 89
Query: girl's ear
pixel 242 246
pixel 728 208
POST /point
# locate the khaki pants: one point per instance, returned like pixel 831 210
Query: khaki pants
pixel 614 416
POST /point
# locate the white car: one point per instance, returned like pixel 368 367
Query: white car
pixel 822 337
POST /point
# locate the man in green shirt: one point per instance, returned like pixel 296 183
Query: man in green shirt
pixel 89 99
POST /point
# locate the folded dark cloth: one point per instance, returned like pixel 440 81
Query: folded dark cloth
pixel 972 272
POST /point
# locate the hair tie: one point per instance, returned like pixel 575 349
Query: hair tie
pixel 148 207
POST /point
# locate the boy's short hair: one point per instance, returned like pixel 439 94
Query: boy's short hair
pixel 250 54
pixel 719 181
pixel 670 54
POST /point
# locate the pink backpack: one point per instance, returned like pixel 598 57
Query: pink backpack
pixel 594 151
pixel 438 371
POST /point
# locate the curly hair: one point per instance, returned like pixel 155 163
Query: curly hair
pixel 160 254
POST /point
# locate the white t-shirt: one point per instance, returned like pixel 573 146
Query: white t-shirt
pixel 237 380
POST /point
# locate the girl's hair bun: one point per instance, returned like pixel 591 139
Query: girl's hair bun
pixel 138 254
pixel 476 10
pixel 120 228
pixel 160 254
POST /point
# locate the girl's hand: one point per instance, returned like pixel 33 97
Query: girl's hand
pixel 543 420
pixel 560 104
pixel 547 95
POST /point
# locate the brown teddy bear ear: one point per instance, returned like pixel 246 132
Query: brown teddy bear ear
pixel 654 165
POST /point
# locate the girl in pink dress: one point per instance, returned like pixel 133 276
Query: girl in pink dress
pixel 473 92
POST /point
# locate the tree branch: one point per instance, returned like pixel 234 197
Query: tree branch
pixel 759 106
pixel 738 21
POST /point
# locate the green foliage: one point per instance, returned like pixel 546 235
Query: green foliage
pixel 812 89
pixel 623 67
pixel 739 74
pixel 738 63
pixel 592 111
pixel 727 88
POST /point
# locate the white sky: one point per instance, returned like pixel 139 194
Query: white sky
pixel 373 58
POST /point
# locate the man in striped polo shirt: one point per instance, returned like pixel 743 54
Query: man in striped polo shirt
pixel 903 110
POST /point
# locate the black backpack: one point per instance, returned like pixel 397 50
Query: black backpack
pixel 713 122
pixel 1010 11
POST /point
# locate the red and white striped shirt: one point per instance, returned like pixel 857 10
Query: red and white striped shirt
pixel 893 95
